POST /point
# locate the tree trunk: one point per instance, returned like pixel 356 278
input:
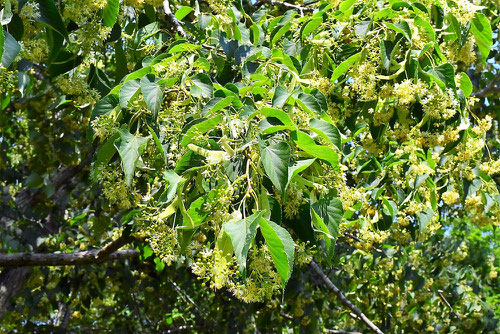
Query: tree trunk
pixel 12 281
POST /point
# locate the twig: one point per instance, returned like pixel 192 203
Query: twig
pixel 343 298
pixel 171 17
pixel 62 259
pixel 335 331
pixel 490 89
pixel 186 297
pixel 138 311
pixel 286 316
pixel 443 299
pixel 288 5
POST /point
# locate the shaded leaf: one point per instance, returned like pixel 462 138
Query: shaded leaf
pixel 130 148
pixel 275 159
pixel 326 130
pixel 202 86
pixel 11 48
pixel 50 16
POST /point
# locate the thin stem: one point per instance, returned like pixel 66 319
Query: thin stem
pixel 343 298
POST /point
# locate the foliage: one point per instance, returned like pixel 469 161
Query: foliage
pixel 237 141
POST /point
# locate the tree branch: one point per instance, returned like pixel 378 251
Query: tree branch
pixel 173 20
pixel 343 298
pixel 113 246
pixel 490 89
pixel 185 296
pixel 62 259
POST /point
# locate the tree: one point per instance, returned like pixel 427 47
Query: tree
pixel 248 166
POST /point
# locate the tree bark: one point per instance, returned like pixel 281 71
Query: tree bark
pixel 62 259
pixel 11 282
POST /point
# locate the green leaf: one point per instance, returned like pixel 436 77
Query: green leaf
pixel 49 15
pixel 202 86
pixel 482 32
pixel 202 63
pixel 104 106
pixel 201 127
pixel 216 104
pixel 281 31
pixel 465 84
pixel 104 154
pixel 307 144
pixel 346 5
pixel 296 168
pixel 331 212
pixel 197 212
pixel 10 49
pixel 444 75
pixel 362 28
pixel 130 148
pixel 424 217
pixel 152 93
pixel 281 247
pixel 110 12
pixel 128 90
pixel 174 181
pixel 183 12
pixel 242 233
pixel 309 103
pixel 275 159
pixel 310 26
pixel 326 130
pixel 344 67
pixel 281 115
pixel 280 97
pixel 146 32
pixel 454 27
pixel 326 215
pixel 427 28
pixel 386 48
pixel 183 47
pixel 401 27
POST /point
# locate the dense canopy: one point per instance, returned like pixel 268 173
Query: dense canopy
pixel 263 166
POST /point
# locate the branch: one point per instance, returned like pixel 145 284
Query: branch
pixel 173 20
pixel 490 89
pixel 447 303
pixel 113 246
pixel 62 259
pixel 343 298
pixel 335 331
pixel 288 5
pixel 186 297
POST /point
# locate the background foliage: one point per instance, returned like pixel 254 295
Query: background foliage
pixel 234 142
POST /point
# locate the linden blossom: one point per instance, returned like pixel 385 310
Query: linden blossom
pixel 274 150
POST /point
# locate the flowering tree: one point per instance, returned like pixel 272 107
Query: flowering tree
pixel 246 166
